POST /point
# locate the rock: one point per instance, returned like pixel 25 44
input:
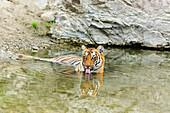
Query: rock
pixel 153 39
pixel 101 24
pixel 98 36
pixel 48 16
pixel 35 49
pixel 116 40
pixel 7 56
pixel 41 3
pixel 118 22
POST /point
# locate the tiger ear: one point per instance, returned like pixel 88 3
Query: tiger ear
pixel 83 47
pixel 100 49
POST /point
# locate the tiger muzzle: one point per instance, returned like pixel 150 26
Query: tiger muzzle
pixel 87 70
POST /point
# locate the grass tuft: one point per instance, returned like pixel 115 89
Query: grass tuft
pixel 35 25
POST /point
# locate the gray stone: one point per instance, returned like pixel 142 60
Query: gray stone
pixel 101 24
pixel 98 36
pixel 116 40
pixel 48 16
pixel 153 39
pixel 41 3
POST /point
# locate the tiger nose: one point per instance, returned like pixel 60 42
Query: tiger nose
pixel 87 67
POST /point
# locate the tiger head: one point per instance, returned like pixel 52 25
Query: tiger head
pixel 93 59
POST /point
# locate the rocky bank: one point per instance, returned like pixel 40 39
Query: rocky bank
pixel 144 23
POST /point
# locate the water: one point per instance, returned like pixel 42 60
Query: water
pixel 134 81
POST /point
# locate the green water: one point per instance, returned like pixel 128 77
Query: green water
pixel 135 81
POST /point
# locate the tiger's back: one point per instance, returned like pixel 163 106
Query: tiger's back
pixel 70 60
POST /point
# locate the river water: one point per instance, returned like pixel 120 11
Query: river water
pixel 135 81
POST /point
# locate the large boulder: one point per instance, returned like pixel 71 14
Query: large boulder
pixel 119 22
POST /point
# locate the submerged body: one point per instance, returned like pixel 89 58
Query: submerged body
pixel 92 60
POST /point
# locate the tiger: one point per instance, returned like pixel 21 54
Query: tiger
pixel 92 60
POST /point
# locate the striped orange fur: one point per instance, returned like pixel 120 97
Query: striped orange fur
pixel 92 60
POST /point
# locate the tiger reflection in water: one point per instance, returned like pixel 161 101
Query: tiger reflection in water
pixel 90 86
pixel 91 62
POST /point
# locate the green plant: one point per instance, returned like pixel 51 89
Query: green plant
pixel 35 25
pixel 50 23
pixel 47 25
